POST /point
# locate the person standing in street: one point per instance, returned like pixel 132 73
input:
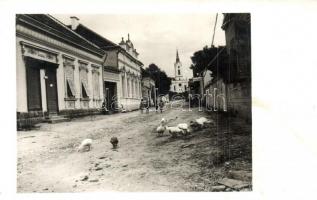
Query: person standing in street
pixel 161 105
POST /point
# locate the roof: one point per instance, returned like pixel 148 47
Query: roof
pixel 94 37
pixel 101 41
pixel 50 26
pixel 177 56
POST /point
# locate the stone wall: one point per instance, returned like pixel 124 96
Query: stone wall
pixel 239 99
pixel 232 97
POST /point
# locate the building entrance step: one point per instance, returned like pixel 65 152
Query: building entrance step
pixel 57 119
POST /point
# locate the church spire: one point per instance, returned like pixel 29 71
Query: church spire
pixel 177 57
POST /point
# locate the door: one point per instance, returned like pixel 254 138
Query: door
pixel 51 90
pixel 110 95
pixel 33 88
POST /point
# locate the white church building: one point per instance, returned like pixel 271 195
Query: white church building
pixel 179 83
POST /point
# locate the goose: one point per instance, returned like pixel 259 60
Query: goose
pixel 85 145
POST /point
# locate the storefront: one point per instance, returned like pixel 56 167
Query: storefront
pixel 58 72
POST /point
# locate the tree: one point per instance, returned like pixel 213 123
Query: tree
pixel 162 81
pixel 201 59
pixel 214 59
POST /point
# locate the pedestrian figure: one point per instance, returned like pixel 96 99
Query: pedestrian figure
pixel 141 105
pixel 147 105
pixel 161 105
pixel 156 106
pixel 144 105
pixel 104 106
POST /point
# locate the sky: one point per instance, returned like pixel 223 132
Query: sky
pixel 157 37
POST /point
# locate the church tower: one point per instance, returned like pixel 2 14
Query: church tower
pixel 179 83
pixel 178 68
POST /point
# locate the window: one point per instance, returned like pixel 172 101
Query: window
pixel 133 88
pixel 128 87
pixel 185 87
pixel 180 85
pixel 83 76
pixel 136 89
pixel 83 91
pixel 174 88
pixel 96 89
pixel 70 89
pixel 179 72
pixel 123 86
pixel 69 67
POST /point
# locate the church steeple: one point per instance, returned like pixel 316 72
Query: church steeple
pixel 178 67
pixel 177 57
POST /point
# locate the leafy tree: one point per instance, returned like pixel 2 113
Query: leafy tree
pixel 162 81
pixel 219 66
pixel 201 59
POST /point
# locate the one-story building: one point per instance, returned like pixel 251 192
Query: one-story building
pixel 121 69
pixel 58 71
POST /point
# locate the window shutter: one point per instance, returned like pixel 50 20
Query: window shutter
pixel 84 81
pixel 85 90
pixel 70 88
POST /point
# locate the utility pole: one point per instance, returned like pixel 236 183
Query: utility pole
pixel 213 36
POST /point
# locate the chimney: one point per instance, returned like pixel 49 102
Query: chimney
pixel 74 22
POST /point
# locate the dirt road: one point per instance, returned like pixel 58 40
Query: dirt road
pixel 48 160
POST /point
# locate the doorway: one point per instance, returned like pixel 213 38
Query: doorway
pixel 110 95
pixel 34 85
pixel 34 98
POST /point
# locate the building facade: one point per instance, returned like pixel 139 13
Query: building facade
pixel 111 74
pixel 179 83
pixel 121 69
pixel 237 29
pixel 230 81
pixel 58 71
pixel 130 75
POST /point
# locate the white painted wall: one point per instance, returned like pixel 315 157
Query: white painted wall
pixel 43 89
pixel 20 79
pixel 131 101
pixel 179 88
pixel 21 87
pixel 60 83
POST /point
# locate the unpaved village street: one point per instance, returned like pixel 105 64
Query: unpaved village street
pixel 48 160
